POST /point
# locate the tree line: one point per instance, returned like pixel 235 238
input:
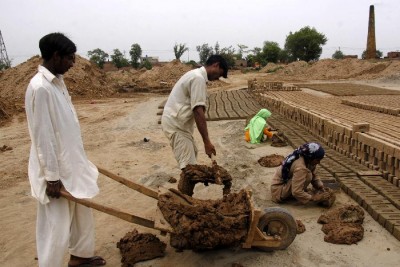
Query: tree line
pixel 304 44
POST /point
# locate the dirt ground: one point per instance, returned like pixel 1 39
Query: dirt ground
pixel 113 131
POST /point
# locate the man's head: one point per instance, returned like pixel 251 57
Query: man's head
pixel 58 52
pixel 216 67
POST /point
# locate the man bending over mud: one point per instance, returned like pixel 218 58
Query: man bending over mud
pixel 186 105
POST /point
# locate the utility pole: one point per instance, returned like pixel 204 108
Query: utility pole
pixel 4 61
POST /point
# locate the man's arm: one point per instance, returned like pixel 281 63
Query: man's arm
pixel 200 118
pixel 44 139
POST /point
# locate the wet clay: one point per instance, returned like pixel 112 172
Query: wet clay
pixel 193 174
pixel 206 224
pixel 278 140
pixel 273 160
pixel 343 225
pixel 301 228
pixel 135 247
pixel 329 202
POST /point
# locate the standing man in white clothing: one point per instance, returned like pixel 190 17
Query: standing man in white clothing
pixel 186 105
pixel 57 159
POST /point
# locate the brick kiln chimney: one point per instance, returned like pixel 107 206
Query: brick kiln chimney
pixel 371 43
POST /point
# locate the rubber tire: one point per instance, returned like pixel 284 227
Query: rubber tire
pixel 285 219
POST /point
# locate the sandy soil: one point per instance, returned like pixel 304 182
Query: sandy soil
pixel 113 132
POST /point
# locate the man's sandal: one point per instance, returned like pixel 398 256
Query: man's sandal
pixel 93 261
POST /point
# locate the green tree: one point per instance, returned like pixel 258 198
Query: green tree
pixel 270 52
pixel 283 56
pixel 217 49
pixel 205 51
pixel 98 57
pixel 254 56
pixel 146 64
pixel 135 53
pixel 379 54
pixel 179 49
pixel 305 44
pixel 338 54
pixel 228 53
pixel 119 59
pixel 242 51
pixel 3 66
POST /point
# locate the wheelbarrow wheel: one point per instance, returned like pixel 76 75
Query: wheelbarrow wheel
pixel 278 222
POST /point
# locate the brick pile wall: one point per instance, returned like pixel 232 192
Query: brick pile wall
pixel 260 85
pixel 353 141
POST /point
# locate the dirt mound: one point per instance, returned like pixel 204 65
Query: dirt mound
pixel 273 160
pixel 163 77
pixel 336 69
pixel 135 247
pixel 206 224
pixel 301 228
pixel 83 80
pixel 343 225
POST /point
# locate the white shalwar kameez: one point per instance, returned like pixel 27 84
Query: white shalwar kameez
pixel 57 153
pixel 178 121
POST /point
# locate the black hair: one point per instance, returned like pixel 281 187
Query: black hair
pixel 56 42
pixel 222 63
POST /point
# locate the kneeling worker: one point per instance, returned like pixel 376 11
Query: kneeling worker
pixel 297 171
pixel 258 127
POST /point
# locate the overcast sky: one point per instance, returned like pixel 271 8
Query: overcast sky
pixel 156 25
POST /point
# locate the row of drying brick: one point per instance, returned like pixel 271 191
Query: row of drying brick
pixel 260 85
pixel 363 148
pixel 380 198
pixel 385 126
pixel 377 108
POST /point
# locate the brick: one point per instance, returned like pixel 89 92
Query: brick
pixel 374 209
pixel 396 231
pixel 388 220
pixel 369 173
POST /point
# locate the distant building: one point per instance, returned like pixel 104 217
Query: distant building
pixel 240 63
pixel 152 60
pixel 393 54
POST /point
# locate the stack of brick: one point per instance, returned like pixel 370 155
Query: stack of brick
pixel 377 108
pixel 353 141
pixel 260 86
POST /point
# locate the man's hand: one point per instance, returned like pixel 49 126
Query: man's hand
pixel 210 149
pixel 53 188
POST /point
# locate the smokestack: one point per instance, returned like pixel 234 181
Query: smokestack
pixel 371 43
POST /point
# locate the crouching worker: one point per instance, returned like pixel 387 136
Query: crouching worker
pixel 297 171
pixel 258 127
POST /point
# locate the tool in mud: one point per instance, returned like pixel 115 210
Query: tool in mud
pixel 207 224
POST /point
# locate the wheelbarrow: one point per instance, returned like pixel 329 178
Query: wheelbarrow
pixel 271 229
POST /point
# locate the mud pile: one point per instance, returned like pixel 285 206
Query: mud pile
pixel 193 174
pixel 343 225
pixel 301 228
pixel 273 160
pixel 135 247
pixel 206 224
pixel 162 77
pixel 336 69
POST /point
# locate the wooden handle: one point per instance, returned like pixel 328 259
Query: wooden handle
pixel 111 211
pixel 137 187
